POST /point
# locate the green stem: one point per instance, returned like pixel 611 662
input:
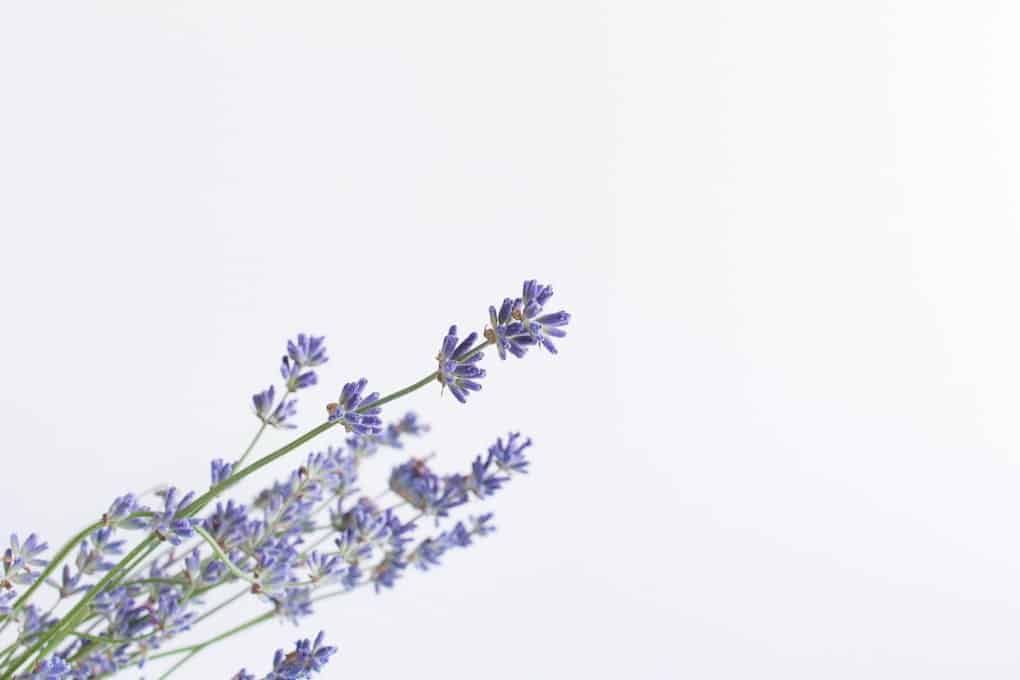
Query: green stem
pixel 234 569
pixel 226 603
pixel 179 664
pixel 254 441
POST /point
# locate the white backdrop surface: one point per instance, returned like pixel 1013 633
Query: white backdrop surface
pixel 781 438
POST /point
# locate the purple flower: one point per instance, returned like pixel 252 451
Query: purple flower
pixel 356 412
pixel 92 558
pixel 308 350
pixel 481 481
pixel 506 332
pixel 18 560
pixel 167 525
pixel 220 471
pixel 386 573
pixel 54 668
pixel 324 569
pixel 521 323
pixel 540 326
pixel 306 658
pixel 275 416
pixel 293 377
pixel 457 365
pixel 416 484
pixel 510 457
pixel 427 553
pixel 120 513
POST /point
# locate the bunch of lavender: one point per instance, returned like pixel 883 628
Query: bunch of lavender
pixel 110 598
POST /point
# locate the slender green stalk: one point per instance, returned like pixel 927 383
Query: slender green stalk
pixel 234 569
pixel 193 650
pixel 180 663
pixel 255 440
pixel 226 603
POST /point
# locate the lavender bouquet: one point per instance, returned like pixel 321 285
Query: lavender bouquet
pixel 115 596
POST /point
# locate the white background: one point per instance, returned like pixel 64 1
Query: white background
pixel 781 438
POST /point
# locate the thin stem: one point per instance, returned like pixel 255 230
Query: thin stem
pixel 180 663
pixel 255 440
pixel 234 569
pixel 222 636
pixel 229 601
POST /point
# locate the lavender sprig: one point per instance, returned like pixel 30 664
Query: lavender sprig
pixel 269 544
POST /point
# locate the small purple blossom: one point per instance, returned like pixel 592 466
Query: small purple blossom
pixel 521 323
pixel 54 668
pixel 354 411
pixel 307 350
pixel 510 457
pixel 541 327
pixel 122 511
pixel 167 525
pixel 418 485
pixel 271 413
pixel 457 365
pixel 293 378
pixel 506 332
pixel 19 559
pixel 220 471
pixel 305 659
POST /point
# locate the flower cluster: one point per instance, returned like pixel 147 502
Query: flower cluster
pixel 306 658
pixel 19 560
pixel 458 365
pixel 305 538
pixel 307 352
pixel 521 323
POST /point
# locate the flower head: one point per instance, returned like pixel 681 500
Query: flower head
pixel 168 524
pixel 122 511
pixel 510 457
pixel 293 378
pixel 19 559
pixel 306 658
pixel 457 365
pixel 354 411
pixel 540 326
pixel 271 413
pixel 307 351
pixel 418 485
pixel 54 668
pixel 521 323
pixel 506 332
pixel 220 470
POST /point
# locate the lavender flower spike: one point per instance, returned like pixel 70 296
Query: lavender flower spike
pixel 306 658
pixel 521 323
pixel 540 326
pixel 506 333
pixel 276 417
pixel 167 524
pixel 355 411
pixel 308 351
pixel 457 369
